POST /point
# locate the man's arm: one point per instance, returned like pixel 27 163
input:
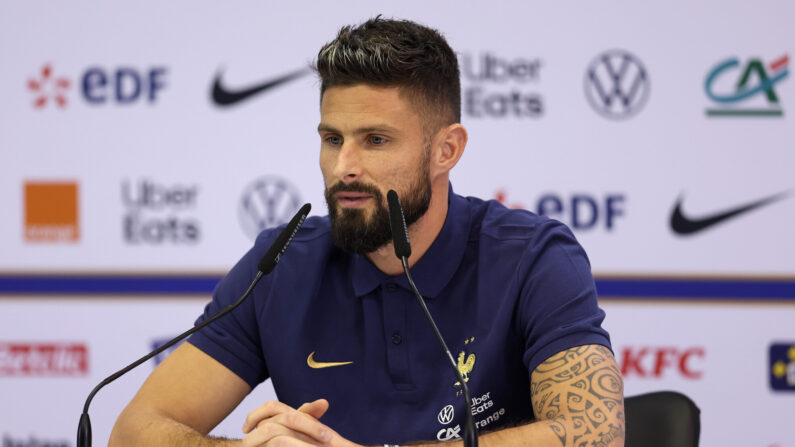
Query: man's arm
pixel 577 394
pixel 187 395
pixel 578 397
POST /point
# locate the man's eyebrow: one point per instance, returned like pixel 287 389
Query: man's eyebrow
pixel 362 130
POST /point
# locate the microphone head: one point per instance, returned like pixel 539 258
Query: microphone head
pixel 274 254
pixel 400 234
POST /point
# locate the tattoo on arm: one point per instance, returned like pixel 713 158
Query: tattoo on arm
pixel 580 394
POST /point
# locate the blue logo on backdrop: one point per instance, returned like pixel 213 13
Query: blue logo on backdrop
pixel 617 85
pixel 267 202
pixel 99 86
pixel 581 212
pixel 782 366
pixel 123 85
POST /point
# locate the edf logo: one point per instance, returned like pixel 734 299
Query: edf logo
pixel 581 212
pixel 123 85
pixel 100 86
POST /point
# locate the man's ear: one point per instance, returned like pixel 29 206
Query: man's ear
pixel 449 146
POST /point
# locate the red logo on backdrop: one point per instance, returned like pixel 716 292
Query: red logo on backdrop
pixel 48 88
pixel 659 361
pixel 43 359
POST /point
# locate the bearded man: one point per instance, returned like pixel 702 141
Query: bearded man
pixel 336 327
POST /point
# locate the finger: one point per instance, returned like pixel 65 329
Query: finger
pixel 268 409
pixel 315 409
pixel 303 423
pixel 267 432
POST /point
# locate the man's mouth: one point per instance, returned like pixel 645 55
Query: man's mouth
pixel 352 199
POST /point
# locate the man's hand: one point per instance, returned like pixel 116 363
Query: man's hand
pixel 275 423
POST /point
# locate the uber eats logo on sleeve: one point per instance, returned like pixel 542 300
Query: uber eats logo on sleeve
pixel 159 213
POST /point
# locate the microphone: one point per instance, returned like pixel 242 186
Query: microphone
pixel 265 266
pixel 397 223
pixel 400 239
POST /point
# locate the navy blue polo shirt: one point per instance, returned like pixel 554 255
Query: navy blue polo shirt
pixel 507 289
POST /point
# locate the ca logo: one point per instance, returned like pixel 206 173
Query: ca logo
pixel 447 434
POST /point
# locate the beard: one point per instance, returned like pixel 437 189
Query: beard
pixel 355 233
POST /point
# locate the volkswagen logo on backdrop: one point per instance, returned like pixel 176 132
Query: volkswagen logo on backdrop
pixel 267 202
pixel 617 84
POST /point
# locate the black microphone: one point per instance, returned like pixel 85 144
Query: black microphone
pixel 397 222
pixel 265 266
pixel 400 239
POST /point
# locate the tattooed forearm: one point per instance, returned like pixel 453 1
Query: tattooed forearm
pixel 580 395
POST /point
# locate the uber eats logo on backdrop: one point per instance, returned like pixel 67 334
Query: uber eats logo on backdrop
pixel 499 87
pixel 158 213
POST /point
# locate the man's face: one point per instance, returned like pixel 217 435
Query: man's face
pixel 371 142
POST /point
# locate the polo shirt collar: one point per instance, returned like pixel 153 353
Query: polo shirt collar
pixel 435 268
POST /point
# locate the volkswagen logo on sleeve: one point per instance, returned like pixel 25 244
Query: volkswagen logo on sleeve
pixel 267 202
pixel 617 85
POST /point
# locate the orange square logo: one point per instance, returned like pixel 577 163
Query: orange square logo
pixel 51 212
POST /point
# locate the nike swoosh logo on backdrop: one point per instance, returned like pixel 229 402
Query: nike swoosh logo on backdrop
pixel 684 225
pixel 317 365
pixel 222 96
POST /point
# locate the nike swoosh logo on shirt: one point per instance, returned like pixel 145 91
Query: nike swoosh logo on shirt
pixel 223 96
pixel 685 225
pixel 317 365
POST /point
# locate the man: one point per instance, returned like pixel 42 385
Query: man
pixel 335 326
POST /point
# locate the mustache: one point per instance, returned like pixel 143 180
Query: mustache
pixel 353 187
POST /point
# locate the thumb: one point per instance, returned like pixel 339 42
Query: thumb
pixel 315 409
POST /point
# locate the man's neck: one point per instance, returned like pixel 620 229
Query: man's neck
pixel 422 233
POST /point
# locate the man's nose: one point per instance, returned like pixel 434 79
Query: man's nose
pixel 348 167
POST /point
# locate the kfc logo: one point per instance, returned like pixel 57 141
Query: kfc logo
pixel 43 359
pixel 658 361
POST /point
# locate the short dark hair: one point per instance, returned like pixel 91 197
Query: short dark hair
pixel 396 53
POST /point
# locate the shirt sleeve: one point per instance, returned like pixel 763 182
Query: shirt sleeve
pixel 558 303
pixel 234 339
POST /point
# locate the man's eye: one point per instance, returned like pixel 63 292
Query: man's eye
pixel 335 140
pixel 375 139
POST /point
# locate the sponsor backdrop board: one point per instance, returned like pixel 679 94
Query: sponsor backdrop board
pixel 143 146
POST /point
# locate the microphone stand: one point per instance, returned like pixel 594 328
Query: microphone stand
pixel 400 239
pixel 265 266
pixel 470 435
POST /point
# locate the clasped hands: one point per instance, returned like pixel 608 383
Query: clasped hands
pixel 276 424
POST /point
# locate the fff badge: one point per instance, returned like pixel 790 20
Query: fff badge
pixel 782 366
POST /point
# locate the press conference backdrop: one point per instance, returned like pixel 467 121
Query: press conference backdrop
pixel 143 145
